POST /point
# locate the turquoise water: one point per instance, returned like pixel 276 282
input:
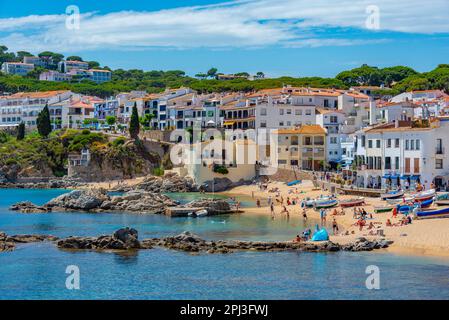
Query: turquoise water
pixel 37 271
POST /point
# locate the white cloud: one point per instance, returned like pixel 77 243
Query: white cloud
pixel 252 23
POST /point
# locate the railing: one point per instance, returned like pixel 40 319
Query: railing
pixel 439 150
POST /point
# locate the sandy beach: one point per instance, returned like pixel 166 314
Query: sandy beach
pixel 421 237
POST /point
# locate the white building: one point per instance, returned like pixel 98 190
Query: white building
pixel 332 120
pixel 67 66
pixel 54 76
pixel 18 68
pixel 403 153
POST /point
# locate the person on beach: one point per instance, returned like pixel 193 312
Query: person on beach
pixel 304 214
pixel 297 239
pixel 334 226
pixel 270 200
pixel 258 203
pixel 272 210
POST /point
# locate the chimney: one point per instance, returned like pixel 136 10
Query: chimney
pixel 372 112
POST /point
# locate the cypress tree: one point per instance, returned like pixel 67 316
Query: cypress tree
pixel 21 131
pixel 134 124
pixel 43 122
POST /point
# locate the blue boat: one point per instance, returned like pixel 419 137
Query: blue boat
pixel 392 195
pixel 430 214
pixel 293 183
pixel 408 208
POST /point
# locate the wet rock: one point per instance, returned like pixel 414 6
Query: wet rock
pixel 84 200
pixel 28 207
pixel 29 238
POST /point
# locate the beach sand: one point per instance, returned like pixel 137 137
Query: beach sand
pixel 422 237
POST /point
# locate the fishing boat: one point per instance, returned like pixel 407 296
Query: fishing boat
pixel 425 195
pixel 201 213
pixel 381 209
pixel 442 199
pixel 431 214
pixel 311 202
pixel 325 203
pixel 410 207
pixel 352 202
pixel 392 194
pixel 293 183
pixel 399 201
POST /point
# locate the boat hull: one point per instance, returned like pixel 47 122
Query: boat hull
pixel 353 203
pixel 396 195
pixel 382 209
pixel 326 204
pixel 431 214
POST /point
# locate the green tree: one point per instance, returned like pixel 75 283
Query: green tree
pixel 74 58
pixel 146 120
pixel 21 131
pixel 111 120
pixel 43 122
pixel 93 64
pixel 134 125
pixel 212 72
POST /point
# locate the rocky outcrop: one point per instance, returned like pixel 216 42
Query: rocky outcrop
pixel 170 182
pixel 363 244
pixel 28 207
pixel 221 184
pixel 122 239
pixel 7 243
pixel 83 200
pixel 99 201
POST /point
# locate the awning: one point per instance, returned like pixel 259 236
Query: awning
pixel 394 176
pixel 405 177
pixel 229 123
pixel 415 177
pixel 386 176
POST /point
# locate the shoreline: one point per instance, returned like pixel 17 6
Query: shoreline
pixel 421 238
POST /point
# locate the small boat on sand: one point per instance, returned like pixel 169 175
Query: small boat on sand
pixel 410 207
pixel 442 199
pixel 325 203
pixel 392 194
pixel 431 214
pixel 425 195
pixel 383 209
pixel 352 202
pixel 293 183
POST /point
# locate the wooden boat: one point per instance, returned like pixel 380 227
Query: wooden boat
pixel 392 195
pixel 409 208
pixel 311 202
pixel 352 202
pixel 400 201
pixel 293 183
pixel 383 209
pixel 425 195
pixel 442 202
pixel 431 214
pixel 325 203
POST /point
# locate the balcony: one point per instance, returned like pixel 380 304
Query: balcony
pixel 439 150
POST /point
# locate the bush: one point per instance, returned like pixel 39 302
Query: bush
pixel 158 171
pixel 118 142
pixel 221 169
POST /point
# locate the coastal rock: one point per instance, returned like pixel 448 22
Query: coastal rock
pixel 7 243
pixel 122 239
pixel 170 182
pixel 84 200
pixel 28 207
pixel 363 244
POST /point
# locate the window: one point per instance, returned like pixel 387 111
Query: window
pixel 263 112
pixel 370 144
pixel 438 163
pixel 289 111
pixel 377 143
pixel 417 144
pixel 407 147
pixel 298 112
pixel 412 144
pixel 308 112
pixel 396 143
pixel 281 123
pixel 281 112
pixel 363 141
pixel 333 119
pixel 333 140
pixel 263 124
pixel 396 161
pixel 387 163
pixel 389 143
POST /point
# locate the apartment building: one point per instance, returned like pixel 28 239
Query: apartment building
pixel 25 106
pixel 55 76
pixel 332 120
pixel 402 153
pixel 17 68
pixel 303 147
pixel 66 66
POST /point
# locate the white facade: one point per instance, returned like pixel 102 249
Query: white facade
pixel 54 76
pixel 17 68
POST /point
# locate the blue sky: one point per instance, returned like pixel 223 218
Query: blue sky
pixel 278 37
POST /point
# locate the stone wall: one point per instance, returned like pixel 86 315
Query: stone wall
pixel 287 175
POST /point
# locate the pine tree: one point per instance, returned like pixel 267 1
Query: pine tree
pixel 43 122
pixel 134 124
pixel 21 131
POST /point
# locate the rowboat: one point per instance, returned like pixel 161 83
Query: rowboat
pixel 422 204
pixel 311 202
pixel 325 203
pixel 383 209
pixel 352 202
pixel 442 202
pixel 425 195
pixel 399 201
pixel 430 214
pixel 392 195
pixel 293 183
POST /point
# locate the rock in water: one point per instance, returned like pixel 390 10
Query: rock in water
pixel 79 200
pixel 213 206
pixel 129 236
